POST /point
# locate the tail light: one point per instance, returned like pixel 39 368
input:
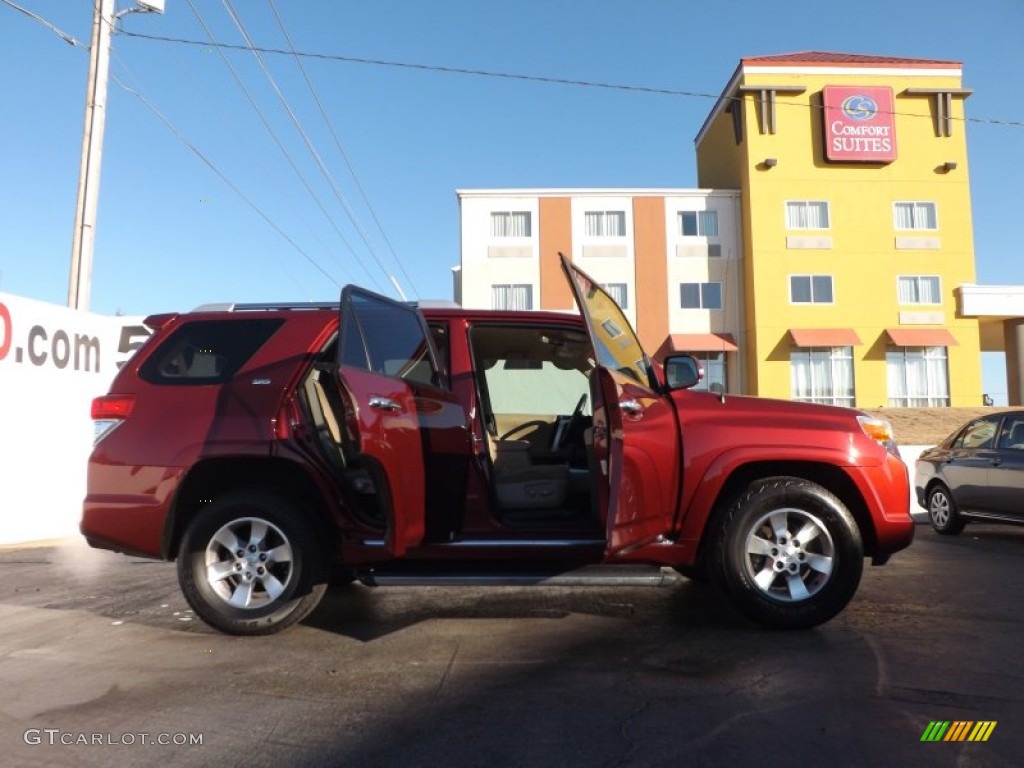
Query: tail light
pixel 108 412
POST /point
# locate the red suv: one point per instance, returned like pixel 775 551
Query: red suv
pixel 263 446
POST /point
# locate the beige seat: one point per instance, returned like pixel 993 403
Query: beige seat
pixel 519 484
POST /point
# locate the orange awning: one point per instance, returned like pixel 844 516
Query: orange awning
pixel 824 337
pixel 701 342
pixel 921 337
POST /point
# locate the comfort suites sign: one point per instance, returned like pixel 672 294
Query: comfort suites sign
pixel 860 126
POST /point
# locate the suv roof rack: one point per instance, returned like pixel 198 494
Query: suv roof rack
pixel 230 306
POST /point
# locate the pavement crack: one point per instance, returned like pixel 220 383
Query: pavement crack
pixel 631 743
pixel 447 673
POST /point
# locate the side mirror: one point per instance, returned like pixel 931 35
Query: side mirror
pixel 682 371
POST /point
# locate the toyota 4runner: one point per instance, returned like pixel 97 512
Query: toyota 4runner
pixel 264 448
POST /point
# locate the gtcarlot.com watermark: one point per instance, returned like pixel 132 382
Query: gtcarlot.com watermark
pixel 57 737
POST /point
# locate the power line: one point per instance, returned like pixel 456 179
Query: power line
pixel 209 163
pixel 527 78
pixel 305 137
pixel 56 30
pixel 280 144
pixel 337 144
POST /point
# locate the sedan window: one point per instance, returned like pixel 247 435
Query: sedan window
pixel 1013 434
pixel 979 434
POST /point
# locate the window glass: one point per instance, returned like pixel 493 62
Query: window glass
pixel 1012 436
pixel 822 375
pixel 510 224
pixel 713 364
pixel 917 377
pixel 807 214
pixel 919 289
pixel 606 223
pixel 711 295
pixel 689 295
pixel 386 338
pixel 698 223
pixel 542 372
pixel 207 351
pixel 980 434
pixel 810 289
pixel 915 215
pixel 700 295
pixel 821 289
pixel 513 297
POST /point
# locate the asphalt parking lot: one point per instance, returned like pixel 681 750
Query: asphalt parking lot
pixel 100 659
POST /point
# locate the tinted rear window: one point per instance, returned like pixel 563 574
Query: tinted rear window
pixel 207 351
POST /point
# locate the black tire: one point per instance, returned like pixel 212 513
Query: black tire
pixel 942 511
pixel 775 578
pixel 271 577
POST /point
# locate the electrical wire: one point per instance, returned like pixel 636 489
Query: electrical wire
pixel 342 200
pixel 56 30
pixel 337 144
pixel 210 164
pixel 642 89
pixel 280 145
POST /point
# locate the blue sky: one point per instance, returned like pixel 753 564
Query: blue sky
pixel 172 234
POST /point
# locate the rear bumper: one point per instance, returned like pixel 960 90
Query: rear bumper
pixel 133 521
pixel 129 527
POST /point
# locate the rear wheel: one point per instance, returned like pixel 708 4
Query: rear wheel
pixel 788 553
pixel 942 512
pixel 250 564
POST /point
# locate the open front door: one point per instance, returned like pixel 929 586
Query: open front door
pixel 636 432
pixel 384 350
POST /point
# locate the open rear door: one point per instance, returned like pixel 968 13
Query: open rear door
pixel 636 432
pixel 383 350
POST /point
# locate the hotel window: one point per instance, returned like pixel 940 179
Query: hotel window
pixel 908 215
pixel 822 375
pixel 511 296
pixel 510 224
pixel 919 289
pixel 698 223
pixel 917 377
pixel 619 292
pixel 606 223
pixel 807 214
pixel 700 295
pixel 810 289
pixel 713 364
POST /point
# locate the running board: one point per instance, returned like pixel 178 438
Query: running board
pixel 590 576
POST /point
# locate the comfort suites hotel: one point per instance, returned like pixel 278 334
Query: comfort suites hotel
pixel 826 255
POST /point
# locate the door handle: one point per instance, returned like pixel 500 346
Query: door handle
pixel 384 403
pixel 996 462
pixel 631 407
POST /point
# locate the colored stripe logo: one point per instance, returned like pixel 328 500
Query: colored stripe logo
pixel 958 730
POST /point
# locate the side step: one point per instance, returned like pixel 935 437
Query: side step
pixel 589 576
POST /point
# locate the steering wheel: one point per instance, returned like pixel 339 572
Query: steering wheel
pixel 565 428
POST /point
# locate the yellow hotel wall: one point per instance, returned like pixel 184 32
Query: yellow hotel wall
pixel 863 259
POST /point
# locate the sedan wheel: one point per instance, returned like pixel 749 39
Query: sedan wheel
pixel 942 512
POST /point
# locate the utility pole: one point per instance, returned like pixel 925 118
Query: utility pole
pixel 84 236
pixel 92 153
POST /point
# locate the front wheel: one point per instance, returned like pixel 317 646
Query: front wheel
pixel 942 512
pixel 251 564
pixel 787 553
